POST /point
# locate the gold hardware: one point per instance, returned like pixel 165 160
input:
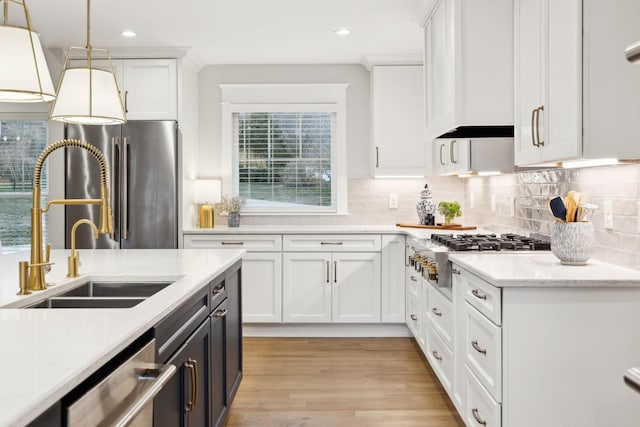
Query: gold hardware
pixel 377 156
pixel 23 270
pixel 540 110
pixel 126 101
pixel 328 272
pixel 533 129
pixel 74 260
pixel 36 270
pixel 335 271
pixel 192 365
pixel 221 313
pixel 441 148
pixel 451 156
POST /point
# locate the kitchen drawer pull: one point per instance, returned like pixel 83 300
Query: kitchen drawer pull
pixel 436 312
pixel 476 415
pixel 441 148
pixel 331 243
pixel 455 271
pixel 218 290
pixel 232 243
pixel 191 365
pixel 221 313
pixel 335 271
pixel 414 317
pixel 126 101
pixel 436 355
pixel 479 349
pixel 377 156
pixel 413 278
pixel 476 293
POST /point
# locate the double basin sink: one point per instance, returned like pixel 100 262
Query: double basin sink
pixel 103 294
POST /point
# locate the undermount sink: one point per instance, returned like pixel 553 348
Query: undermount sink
pixel 102 294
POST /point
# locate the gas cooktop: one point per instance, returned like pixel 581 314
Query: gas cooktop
pixel 490 242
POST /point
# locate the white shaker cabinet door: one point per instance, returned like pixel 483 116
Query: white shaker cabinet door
pixel 262 287
pixel 356 287
pixel 150 89
pixel 393 278
pixel 306 287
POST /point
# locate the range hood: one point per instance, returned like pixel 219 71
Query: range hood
pixel 633 52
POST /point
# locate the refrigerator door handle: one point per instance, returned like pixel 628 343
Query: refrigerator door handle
pixel 125 189
pixel 115 185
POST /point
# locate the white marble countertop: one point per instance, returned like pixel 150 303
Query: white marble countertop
pixel 526 269
pixel 47 352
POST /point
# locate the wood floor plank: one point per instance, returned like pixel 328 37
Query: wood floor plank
pixel 335 382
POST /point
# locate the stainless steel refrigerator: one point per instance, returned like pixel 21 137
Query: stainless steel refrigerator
pixel 143 161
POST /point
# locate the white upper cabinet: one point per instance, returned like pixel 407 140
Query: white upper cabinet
pixel 451 156
pixel 576 95
pixel 468 72
pixel 397 117
pixel 148 87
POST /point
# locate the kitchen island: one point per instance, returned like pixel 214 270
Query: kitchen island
pixel 48 352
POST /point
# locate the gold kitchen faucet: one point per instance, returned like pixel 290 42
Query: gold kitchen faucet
pixel 36 265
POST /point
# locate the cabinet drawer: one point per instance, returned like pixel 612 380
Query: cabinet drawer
pixel 483 351
pixel 332 243
pixel 250 242
pixel 414 281
pixel 440 315
pixel 413 319
pixel 480 409
pixel 483 296
pixel 440 358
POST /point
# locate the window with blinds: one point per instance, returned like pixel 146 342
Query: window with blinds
pixel 284 160
pixel 21 142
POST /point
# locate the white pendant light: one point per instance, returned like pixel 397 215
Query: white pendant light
pixel 24 76
pixel 86 94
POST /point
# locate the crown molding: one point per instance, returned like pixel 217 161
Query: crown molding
pixel 369 61
pixel 422 12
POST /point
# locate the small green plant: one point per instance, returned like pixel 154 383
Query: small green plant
pixel 230 204
pixel 450 210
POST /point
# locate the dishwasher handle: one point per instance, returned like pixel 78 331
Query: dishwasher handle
pixel 158 376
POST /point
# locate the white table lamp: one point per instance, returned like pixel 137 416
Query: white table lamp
pixel 207 192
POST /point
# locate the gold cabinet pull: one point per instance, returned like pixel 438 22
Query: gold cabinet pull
pixel 436 355
pixel 533 127
pixel 414 317
pixel 476 293
pixel 221 313
pixel 335 271
pixel 232 243
pixel 377 156
pixel 441 161
pixel 451 156
pixel 436 312
pixel 540 110
pixel 126 101
pixel 193 370
pixel 477 348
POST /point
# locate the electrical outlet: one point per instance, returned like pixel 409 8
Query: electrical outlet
pixel 472 201
pixel 393 201
pixel 493 203
pixel 607 208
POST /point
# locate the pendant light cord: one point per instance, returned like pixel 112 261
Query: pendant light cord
pixel 89 57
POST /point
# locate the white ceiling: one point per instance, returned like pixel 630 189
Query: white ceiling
pixel 239 31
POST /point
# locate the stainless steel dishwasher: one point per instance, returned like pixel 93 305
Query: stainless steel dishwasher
pixel 125 396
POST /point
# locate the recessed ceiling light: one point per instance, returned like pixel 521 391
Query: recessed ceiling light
pixel 128 33
pixel 343 31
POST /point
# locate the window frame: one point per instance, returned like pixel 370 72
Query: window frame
pixel 286 98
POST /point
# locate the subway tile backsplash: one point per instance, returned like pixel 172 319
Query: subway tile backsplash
pixel 520 204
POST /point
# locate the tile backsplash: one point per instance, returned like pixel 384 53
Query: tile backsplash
pixel 519 204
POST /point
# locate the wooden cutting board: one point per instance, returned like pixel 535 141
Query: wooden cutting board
pixel 453 227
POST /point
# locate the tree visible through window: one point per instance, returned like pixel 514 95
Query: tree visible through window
pixel 284 159
pixel 20 144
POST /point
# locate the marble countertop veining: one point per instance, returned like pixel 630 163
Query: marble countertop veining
pixel 47 352
pixel 527 269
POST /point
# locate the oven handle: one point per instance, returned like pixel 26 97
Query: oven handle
pixel 164 374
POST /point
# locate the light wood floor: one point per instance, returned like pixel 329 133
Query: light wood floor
pixel 327 382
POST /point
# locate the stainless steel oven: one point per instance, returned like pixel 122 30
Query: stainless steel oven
pixel 125 396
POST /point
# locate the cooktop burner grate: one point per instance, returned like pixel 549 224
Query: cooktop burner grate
pixel 491 242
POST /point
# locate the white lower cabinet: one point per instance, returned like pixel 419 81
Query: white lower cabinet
pixel 480 408
pixel 394 251
pixel 261 271
pixel 331 287
pixel 440 358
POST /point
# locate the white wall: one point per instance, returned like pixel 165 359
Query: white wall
pixel 358 113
